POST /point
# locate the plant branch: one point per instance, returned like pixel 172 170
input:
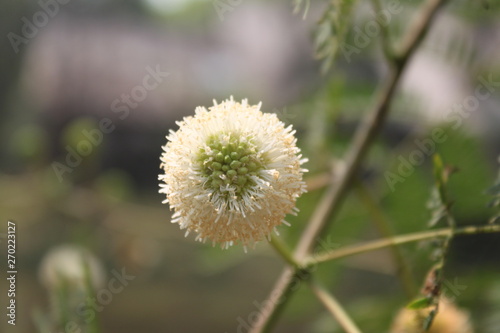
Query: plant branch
pixel 402 239
pixel 335 308
pixel 283 290
pixel 365 133
pixel 418 30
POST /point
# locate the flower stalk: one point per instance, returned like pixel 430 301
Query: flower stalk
pixel 335 308
pixel 284 251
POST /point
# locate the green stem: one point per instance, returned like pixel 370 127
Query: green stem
pixel 335 308
pixel 401 239
pixel 283 251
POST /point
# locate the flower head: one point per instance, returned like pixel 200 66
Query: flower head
pixel 232 173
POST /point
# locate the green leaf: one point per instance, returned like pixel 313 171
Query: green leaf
pixel 420 303
pixel 331 30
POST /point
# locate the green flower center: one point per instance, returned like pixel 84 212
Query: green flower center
pixel 229 160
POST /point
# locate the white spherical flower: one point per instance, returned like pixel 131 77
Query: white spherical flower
pixel 232 173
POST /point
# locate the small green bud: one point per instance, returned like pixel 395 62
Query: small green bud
pixel 235 156
pixel 235 165
pixel 216 166
pixel 219 157
pixel 216 183
pixel 242 148
pixel 252 166
pixel 242 180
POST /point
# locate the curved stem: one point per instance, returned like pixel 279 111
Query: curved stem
pixel 401 239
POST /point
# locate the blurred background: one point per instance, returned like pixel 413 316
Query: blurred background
pixel 89 89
